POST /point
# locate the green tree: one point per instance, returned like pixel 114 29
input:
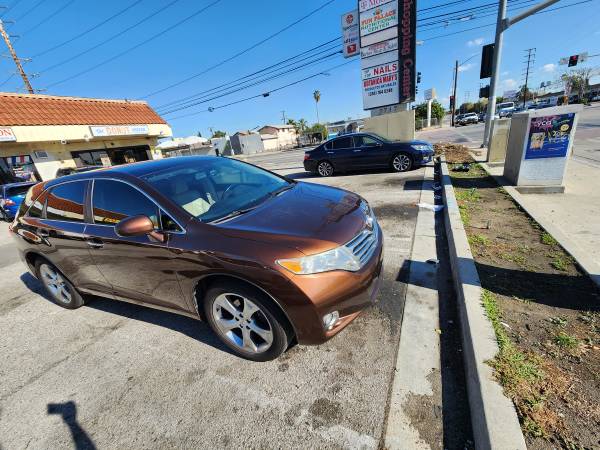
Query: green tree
pixel 303 125
pixel 578 80
pixel 318 128
pixel 218 134
pixel 317 97
pixel 437 110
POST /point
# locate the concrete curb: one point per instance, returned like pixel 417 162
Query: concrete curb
pixel 493 416
pixel 587 263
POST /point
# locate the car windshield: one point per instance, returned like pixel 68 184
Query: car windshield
pixel 215 188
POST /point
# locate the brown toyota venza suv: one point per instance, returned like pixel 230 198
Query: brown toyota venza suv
pixel 265 260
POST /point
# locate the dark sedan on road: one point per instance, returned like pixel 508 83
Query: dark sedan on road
pixel 366 151
pixel 265 260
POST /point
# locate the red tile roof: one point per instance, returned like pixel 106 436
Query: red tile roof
pixel 33 109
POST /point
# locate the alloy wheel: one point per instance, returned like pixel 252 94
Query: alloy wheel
pixel 401 163
pixel 325 169
pixel 56 284
pixel 242 323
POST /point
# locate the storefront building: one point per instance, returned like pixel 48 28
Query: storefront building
pixel 41 134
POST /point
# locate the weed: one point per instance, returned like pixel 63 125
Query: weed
pixel 548 239
pixel 565 340
pixel 559 263
pixel 501 190
pixel 464 214
pixel 531 427
pixel 560 321
pixel 478 240
pixel 468 195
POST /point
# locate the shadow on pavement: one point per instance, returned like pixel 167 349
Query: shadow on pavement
pixel 192 328
pixel 68 412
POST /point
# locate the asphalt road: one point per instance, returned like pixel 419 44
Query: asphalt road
pixel 587 136
pixel 114 375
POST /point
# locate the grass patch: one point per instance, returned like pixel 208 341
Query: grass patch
pixel 468 195
pixel 548 239
pixel 560 263
pixel 464 214
pixel 565 340
pixel 520 374
pixel 478 240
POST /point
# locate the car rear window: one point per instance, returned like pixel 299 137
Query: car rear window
pixel 13 191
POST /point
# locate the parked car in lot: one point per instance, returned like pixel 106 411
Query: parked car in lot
pixel 11 197
pixel 466 119
pixel 265 260
pixel 366 151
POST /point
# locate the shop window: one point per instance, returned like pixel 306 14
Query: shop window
pixel 114 201
pixel 66 202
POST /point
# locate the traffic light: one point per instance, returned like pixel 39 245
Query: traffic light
pixel 451 101
pixel 416 89
pixel 418 77
pixel 573 60
pixel 484 92
pixel 487 59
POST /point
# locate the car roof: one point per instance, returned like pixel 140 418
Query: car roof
pixel 138 169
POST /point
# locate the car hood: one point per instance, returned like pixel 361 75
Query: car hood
pixel 309 217
pixel 410 143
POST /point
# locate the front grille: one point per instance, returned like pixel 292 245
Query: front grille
pixel 364 244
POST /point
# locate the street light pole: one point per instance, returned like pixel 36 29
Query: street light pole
pixel 491 107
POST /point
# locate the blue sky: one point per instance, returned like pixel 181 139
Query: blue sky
pixel 229 26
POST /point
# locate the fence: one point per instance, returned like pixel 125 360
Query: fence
pixel 422 123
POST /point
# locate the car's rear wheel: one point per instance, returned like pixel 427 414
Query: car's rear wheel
pixel 58 287
pixel 325 169
pixel 246 321
pixel 401 162
pixel 2 215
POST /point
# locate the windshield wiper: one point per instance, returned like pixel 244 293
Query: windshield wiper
pixel 276 192
pixel 232 214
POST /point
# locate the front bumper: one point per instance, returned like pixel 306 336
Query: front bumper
pixel 349 293
pixel 426 157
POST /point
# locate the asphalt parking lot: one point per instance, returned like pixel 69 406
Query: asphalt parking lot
pixel 115 375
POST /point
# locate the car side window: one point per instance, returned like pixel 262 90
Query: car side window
pixel 66 202
pixel 327 145
pixel 344 142
pixel 37 207
pixel 114 201
pixel 366 141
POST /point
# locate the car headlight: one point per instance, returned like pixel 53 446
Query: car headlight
pixel 421 147
pixel 340 258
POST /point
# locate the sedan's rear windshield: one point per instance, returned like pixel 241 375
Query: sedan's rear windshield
pixel 213 188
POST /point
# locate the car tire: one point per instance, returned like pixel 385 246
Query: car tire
pixel 401 162
pixel 57 286
pixel 2 215
pixel 325 169
pixel 237 313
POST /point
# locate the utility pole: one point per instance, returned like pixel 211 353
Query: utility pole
pixel 454 91
pixel 15 58
pixel 502 24
pixel 283 117
pixel 530 60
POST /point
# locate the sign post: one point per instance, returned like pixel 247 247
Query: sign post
pixel 429 96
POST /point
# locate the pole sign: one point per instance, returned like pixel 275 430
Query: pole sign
pixel 350 34
pixel 549 136
pixel 430 94
pixel 7 135
pixel 387 49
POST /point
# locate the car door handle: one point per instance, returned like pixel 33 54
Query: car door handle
pixel 330 153
pixel 357 150
pixel 95 243
pixel 43 233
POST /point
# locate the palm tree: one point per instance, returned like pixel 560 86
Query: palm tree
pixel 317 97
pixel 302 124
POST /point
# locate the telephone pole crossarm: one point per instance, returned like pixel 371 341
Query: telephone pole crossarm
pixel 15 58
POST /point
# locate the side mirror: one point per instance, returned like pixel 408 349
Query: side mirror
pixel 138 226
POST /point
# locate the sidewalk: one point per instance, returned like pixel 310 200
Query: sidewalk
pixel 572 218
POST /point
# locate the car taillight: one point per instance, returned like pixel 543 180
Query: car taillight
pixel 306 156
pixel 8 202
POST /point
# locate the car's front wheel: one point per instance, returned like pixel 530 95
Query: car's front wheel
pixel 246 321
pixel 401 162
pixel 58 287
pixel 325 169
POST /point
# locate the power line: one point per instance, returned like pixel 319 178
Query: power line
pixel 10 8
pixel 238 54
pixel 7 80
pixel 89 30
pixel 287 72
pixel 47 18
pixel 118 55
pixel 265 94
pixel 111 38
pixel 277 66
pixel 30 10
